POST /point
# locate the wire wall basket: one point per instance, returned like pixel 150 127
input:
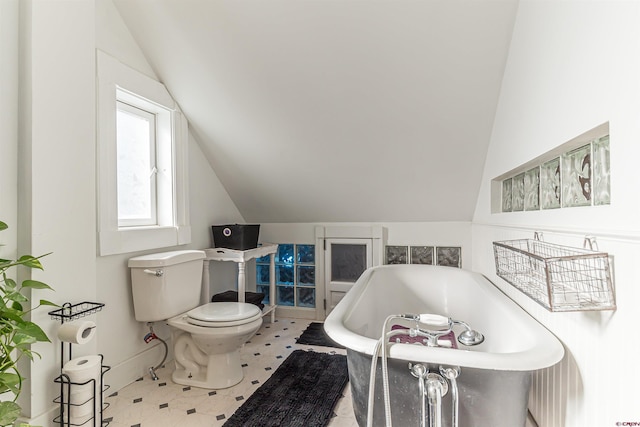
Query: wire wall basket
pixel 560 278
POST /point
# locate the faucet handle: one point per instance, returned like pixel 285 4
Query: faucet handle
pixel 434 320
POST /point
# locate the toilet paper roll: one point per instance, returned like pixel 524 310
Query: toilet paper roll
pixel 84 368
pixel 81 397
pixel 77 421
pixel 82 407
pixel 83 394
pixel 81 403
pixel 77 332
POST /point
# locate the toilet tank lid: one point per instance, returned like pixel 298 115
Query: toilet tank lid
pixel 164 259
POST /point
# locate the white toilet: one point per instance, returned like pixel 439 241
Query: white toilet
pixel 206 338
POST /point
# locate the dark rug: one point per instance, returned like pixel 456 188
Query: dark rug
pixel 302 392
pixel 315 335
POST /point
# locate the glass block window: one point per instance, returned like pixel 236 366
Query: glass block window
pixel 580 176
pixel 295 276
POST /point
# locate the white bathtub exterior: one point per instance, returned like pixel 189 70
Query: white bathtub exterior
pixel 514 341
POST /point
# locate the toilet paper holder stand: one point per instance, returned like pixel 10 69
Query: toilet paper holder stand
pixel 67 313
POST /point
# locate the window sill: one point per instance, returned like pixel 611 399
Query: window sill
pixel 136 239
pixel 145 227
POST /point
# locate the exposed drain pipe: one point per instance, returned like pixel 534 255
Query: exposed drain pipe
pixel 150 337
pixel 437 388
pixel 451 374
pixel 419 371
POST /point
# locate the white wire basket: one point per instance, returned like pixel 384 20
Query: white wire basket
pixel 560 278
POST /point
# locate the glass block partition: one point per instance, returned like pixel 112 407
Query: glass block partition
pixel 577 177
pixel 449 256
pixel 295 276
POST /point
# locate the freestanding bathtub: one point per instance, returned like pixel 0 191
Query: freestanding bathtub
pixel 495 376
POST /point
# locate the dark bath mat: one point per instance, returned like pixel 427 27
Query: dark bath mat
pixel 315 335
pixel 302 392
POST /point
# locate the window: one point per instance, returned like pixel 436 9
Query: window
pixel 142 154
pixel 136 166
pixel 295 276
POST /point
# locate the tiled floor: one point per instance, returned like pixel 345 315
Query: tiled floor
pixel 148 403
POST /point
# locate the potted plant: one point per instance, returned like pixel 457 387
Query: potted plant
pixel 16 332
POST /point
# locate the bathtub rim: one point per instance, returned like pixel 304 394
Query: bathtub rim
pixel 544 351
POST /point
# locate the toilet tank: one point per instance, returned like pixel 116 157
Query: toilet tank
pixel 166 284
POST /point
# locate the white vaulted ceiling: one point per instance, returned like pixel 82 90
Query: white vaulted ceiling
pixel 335 110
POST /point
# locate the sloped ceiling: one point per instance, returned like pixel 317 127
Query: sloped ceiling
pixel 335 110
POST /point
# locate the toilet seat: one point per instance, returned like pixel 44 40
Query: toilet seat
pixel 223 314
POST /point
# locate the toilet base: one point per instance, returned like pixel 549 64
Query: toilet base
pixel 224 371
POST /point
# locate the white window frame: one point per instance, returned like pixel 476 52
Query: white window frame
pixel 115 81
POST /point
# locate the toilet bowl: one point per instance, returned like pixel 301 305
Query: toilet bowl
pixel 206 338
pixel 207 341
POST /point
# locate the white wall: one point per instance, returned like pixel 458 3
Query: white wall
pixel 9 12
pixel 9 125
pixel 574 65
pixel 57 182
pixel 57 187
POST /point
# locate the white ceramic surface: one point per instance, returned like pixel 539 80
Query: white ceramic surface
pixel 514 341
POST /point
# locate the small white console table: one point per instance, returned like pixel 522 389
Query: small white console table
pixel 241 257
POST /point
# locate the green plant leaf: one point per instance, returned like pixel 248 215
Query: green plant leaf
pixel 16 297
pixel 35 284
pixel 3 226
pixel 9 413
pixel 30 261
pixel 33 330
pixel 49 303
pixel 9 283
pixel 10 381
pixel 11 314
pixel 21 339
